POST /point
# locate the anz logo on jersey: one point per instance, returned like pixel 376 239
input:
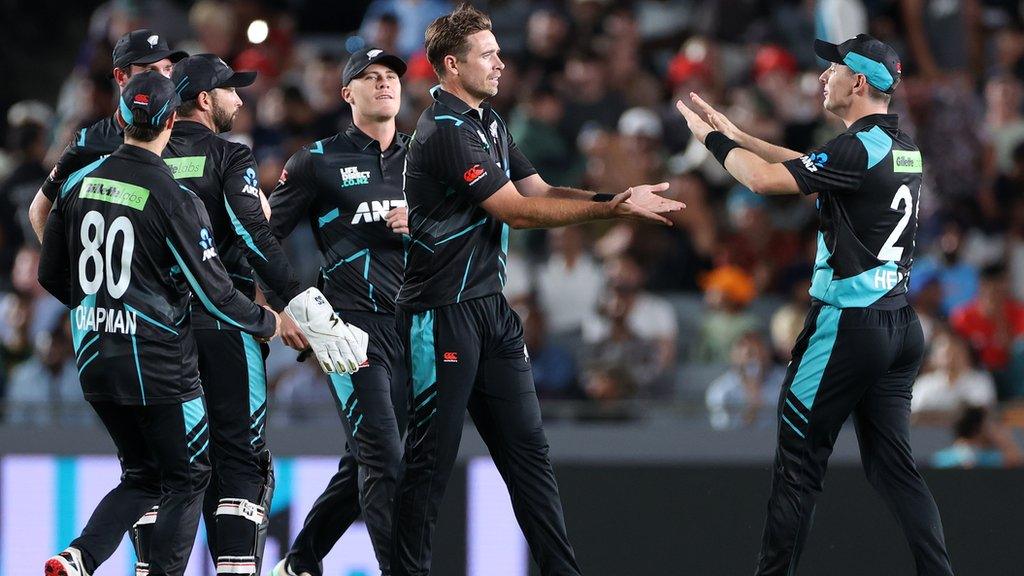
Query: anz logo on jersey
pixel 252 186
pixel 814 160
pixel 206 243
pixel 375 211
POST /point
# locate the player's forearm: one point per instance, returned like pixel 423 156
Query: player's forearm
pixel 754 172
pixel 766 150
pixel 555 212
pixel 568 193
pixel 38 212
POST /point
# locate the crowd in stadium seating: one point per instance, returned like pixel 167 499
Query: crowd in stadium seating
pixel 704 311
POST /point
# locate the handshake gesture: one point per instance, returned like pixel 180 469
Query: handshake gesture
pixel 309 322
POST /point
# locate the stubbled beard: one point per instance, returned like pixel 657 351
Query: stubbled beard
pixel 222 119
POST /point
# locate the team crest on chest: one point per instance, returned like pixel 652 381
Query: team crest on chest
pixel 352 176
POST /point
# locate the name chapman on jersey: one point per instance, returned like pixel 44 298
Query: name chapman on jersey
pixel 108 320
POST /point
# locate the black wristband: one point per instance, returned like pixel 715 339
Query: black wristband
pixel 719 145
pixel 602 197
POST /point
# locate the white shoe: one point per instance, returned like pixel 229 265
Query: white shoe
pixel 67 563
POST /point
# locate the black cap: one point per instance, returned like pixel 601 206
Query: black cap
pixel 148 99
pixel 361 60
pixel 204 72
pixel 143 47
pixel 866 55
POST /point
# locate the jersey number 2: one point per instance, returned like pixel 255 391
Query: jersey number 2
pixel 92 239
pixel 903 200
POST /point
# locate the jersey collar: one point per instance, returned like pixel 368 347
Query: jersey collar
pixel 891 121
pixel 183 126
pixel 458 104
pixel 138 154
pixel 364 141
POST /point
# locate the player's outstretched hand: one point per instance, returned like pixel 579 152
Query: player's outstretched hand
pixel 697 125
pixel 647 197
pixel 716 119
pixel 291 335
pixel 398 220
pixel 621 208
pixel 339 347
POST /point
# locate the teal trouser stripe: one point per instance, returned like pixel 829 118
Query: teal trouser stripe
pixel 194 410
pixel 138 369
pixel 427 400
pixel 819 350
pixel 257 375
pixel 795 429
pixel 87 344
pixel 795 410
pixel 86 363
pixel 342 384
pixel 424 360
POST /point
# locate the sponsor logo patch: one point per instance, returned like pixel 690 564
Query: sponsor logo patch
pixel 814 161
pixel 352 176
pixel 114 192
pixel 375 211
pixel 450 357
pixel 474 174
pixel 141 99
pixel 907 161
pixel 206 243
pixel 186 166
pixel 252 186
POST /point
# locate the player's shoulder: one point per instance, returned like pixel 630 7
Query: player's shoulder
pixel 105 135
pixel 403 139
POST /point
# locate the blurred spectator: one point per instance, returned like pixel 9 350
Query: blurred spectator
pixel 536 127
pixel 45 390
pixel 28 141
pixel 1003 118
pixel 569 282
pixel 992 324
pixel 588 97
pixel 952 384
pixel 788 320
pixel 728 291
pixel 632 340
pixel 978 443
pixel 554 368
pixel 215 27
pixel 413 18
pixel 748 393
pixel 755 244
pixel 958 279
pixel 926 296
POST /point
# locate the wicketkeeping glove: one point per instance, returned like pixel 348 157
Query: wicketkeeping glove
pixel 339 347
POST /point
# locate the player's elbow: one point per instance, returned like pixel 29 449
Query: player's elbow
pixel 760 183
pixel 518 222
pixel 38 211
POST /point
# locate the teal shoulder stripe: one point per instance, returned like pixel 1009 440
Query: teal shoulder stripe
pixel 194 284
pixel 424 359
pixel 78 175
pixel 241 231
pixel 81 138
pixel 812 366
pixel 257 375
pixel 458 121
pixel 317 147
pixel 877 143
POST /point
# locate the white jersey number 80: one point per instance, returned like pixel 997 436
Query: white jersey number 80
pixel 92 239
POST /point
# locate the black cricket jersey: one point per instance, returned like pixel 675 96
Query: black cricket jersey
pixel 868 181
pixel 458 157
pixel 88 145
pixel 223 175
pixel 124 247
pixel 345 185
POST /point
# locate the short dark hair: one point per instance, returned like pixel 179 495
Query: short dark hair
pixel 188 107
pixel 447 35
pixel 141 130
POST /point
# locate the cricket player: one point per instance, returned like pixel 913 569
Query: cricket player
pixel 862 345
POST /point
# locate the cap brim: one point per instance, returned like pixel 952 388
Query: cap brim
pixel 827 51
pixel 172 55
pixel 239 80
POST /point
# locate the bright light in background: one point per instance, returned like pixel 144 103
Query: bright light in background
pixel 258 31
